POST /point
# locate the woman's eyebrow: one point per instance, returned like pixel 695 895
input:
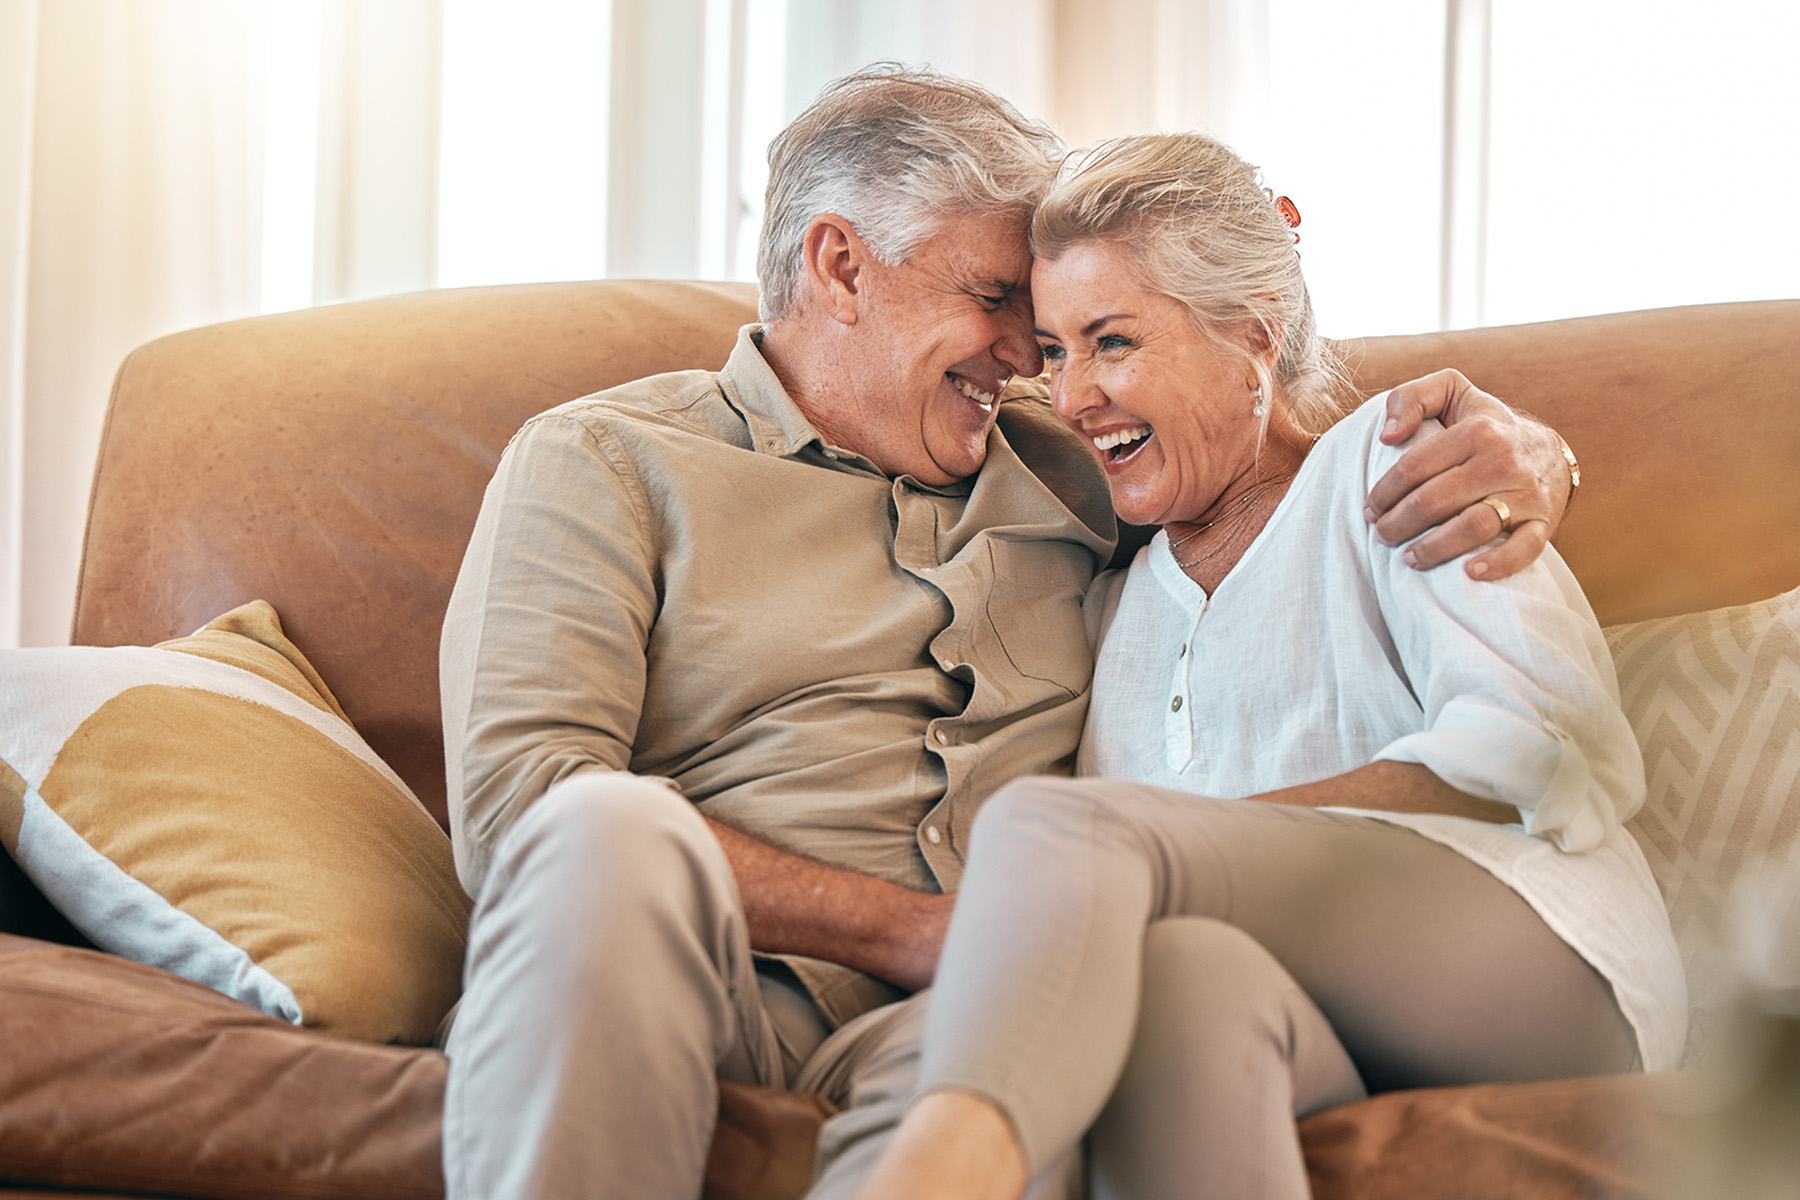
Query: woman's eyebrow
pixel 1088 330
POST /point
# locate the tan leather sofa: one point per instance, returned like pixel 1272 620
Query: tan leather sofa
pixel 331 461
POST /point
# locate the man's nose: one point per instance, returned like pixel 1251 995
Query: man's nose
pixel 1017 347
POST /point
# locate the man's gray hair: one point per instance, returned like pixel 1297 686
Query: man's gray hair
pixel 894 151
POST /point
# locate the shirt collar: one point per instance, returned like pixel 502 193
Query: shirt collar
pixel 775 423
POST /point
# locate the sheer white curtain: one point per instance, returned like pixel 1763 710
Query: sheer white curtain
pixel 18 59
pixel 130 198
pixel 132 156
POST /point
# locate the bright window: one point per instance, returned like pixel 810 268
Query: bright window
pixel 522 183
pixel 1645 153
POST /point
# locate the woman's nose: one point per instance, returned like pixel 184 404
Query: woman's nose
pixel 1072 393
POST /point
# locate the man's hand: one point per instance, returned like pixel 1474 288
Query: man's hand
pixel 796 906
pixel 1486 450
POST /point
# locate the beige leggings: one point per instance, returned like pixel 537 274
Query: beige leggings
pixel 1077 990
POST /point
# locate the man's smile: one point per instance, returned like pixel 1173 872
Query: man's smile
pixel 970 391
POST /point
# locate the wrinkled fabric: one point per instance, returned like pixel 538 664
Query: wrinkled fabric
pixel 681 579
pixel 1322 651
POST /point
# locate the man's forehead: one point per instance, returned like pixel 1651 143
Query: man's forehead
pixel 987 251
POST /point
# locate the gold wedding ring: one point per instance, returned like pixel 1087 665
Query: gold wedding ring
pixel 1500 510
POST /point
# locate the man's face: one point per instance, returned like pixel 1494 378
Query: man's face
pixel 941 334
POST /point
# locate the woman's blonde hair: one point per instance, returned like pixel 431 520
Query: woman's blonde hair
pixel 1202 231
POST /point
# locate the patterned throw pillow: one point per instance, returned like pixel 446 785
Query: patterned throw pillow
pixel 1715 700
pixel 204 806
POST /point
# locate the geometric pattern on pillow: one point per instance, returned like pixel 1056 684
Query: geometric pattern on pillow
pixel 203 806
pixel 1714 698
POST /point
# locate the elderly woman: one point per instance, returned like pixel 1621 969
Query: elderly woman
pixel 1358 827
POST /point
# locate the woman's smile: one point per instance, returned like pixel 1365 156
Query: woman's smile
pixel 1167 406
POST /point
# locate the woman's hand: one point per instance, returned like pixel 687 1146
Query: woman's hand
pixel 1486 450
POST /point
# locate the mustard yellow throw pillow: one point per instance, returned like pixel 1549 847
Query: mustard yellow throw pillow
pixel 204 806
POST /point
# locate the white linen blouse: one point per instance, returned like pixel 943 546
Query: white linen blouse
pixel 1322 651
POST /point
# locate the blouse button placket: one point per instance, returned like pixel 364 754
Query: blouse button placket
pixel 1178 725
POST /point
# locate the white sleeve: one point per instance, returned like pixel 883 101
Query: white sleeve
pixel 1520 701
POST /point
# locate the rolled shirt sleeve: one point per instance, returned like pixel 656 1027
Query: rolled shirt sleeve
pixel 543 662
pixel 1519 698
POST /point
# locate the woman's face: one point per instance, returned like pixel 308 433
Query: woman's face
pixel 1166 408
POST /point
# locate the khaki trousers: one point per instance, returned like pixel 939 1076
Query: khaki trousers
pixel 609 983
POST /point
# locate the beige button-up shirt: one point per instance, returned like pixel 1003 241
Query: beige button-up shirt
pixel 680 578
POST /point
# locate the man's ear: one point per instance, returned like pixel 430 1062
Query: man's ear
pixel 835 259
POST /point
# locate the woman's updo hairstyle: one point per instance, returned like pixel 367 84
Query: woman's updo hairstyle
pixel 1201 230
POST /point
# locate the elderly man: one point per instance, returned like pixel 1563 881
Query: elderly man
pixel 734 657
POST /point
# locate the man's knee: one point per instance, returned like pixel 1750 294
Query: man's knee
pixel 605 866
pixel 608 828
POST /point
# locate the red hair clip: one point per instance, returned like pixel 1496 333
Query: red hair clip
pixel 1290 212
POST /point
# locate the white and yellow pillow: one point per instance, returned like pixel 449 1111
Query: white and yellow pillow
pixel 204 806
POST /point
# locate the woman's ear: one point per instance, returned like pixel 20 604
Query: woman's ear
pixel 835 259
pixel 1264 339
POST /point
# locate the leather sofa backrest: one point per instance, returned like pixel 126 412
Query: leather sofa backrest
pixel 331 461
pixel 1687 424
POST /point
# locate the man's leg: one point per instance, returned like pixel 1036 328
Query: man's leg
pixel 869 1069
pixel 609 983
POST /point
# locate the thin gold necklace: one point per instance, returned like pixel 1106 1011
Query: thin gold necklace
pixel 1247 497
pixel 1245 505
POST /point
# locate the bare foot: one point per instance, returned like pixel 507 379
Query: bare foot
pixel 950 1146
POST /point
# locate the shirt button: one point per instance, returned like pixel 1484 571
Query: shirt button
pixel 940 737
pixel 1183 653
pixel 1175 704
pixel 932 835
pixel 831 454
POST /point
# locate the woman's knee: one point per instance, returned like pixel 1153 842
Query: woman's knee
pixel 1043 808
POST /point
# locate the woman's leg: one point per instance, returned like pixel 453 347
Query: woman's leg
pixel 1228 1051
pixel 1429 970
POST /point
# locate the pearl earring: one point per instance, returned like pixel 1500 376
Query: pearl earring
pixel 1262 406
